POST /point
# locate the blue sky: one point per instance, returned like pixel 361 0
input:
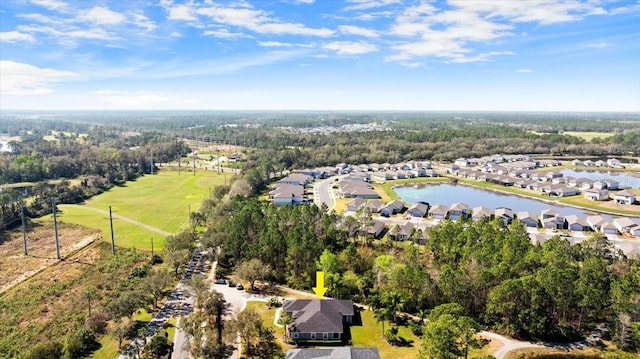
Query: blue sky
pixel 470 55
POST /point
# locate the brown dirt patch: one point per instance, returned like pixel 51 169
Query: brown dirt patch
pixel 15 267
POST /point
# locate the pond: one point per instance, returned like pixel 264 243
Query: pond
pixel 625 180
pixel 447 194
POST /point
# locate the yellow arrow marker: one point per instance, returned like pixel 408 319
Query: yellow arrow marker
pixel 319 289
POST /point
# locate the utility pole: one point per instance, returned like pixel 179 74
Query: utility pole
pixel 151 247
pixel 113 243
pixel 24 230
pixel 152 162
pixel 194 163
pixel 89 300
pixel 55 227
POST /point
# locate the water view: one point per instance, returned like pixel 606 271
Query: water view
pixel 625 180
pixel 447 194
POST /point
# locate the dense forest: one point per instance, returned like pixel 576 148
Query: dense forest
pixel 553 291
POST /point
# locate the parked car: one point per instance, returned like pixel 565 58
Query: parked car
pixel 239 287
pixel 220 281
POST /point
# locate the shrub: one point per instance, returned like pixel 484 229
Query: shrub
pixel 45 350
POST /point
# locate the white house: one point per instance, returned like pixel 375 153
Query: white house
pixel 596 194
pixel 624 197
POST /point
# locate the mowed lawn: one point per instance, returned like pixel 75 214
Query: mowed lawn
pixel 160 201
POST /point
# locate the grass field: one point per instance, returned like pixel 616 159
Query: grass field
pixel 161 201
pixel 588 136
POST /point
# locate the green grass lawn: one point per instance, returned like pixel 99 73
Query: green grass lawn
pixel 162 201
pixel 370 335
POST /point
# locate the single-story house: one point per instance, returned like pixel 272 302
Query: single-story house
pixel 375 205
pixel 614 162
pixel 458 210
pixel 479 212
pixel 283 194
pixel 383 176
pixel 438 211
pixel 297 179
pixel 576 162
pixel 318 319
pixel 561 190
pixel 608 228
pixel 357 189
pixel 355 204
pixel 374 229
pixel 401 232
pixel 333 353
pixel 549 213
pixel 576 223
pixel 358 177
pixel 624 224
pixel 506 214
pixel 537 238
pixel 611 184
pixel 624 197
pixel 588 163
pixel 527 218
pixel 418 209
pixel 391 208
pixel 596 222
pixel 552 223
pixel 596 194
pixel 462 162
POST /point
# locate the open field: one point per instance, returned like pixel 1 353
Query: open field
pixel 15 267
pixel 588 136
pixel 54 301
pixel 160 202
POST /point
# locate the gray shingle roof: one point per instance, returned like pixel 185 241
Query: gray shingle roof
pixel 318 316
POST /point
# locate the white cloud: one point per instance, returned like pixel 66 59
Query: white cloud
pixel 224 34
pixel 102 16
pixel 524 71
pixel 181 12
pixel 369 4
pixel 356 30
pixel 350 47
pixel 282 44
pixel 16 36
pixel 540 11
pixel 483 57
pixel 54 5
pixel 258 21
pixel 275 44
pixel 597 45
pixel 144 22
pixel 24 79
pixel 304 1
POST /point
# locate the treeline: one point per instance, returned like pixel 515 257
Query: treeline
pixel 101 160
pixel 553 291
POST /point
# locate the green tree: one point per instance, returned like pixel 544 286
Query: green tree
pixel 253 270
pixel 120 329
pixel 158 345
pixel 156 284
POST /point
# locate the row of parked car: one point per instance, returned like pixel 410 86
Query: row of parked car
pixel 238 286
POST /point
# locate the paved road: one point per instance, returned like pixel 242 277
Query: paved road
pixel 237 302
pixel 179 303
pixel 118 216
